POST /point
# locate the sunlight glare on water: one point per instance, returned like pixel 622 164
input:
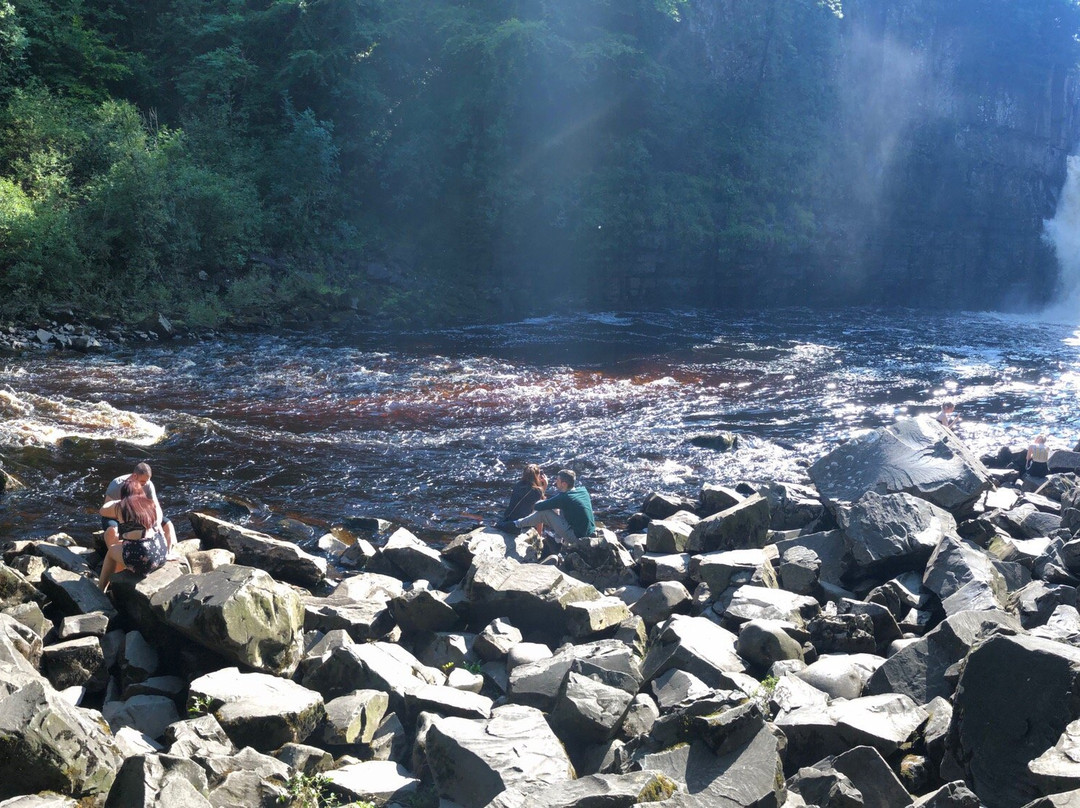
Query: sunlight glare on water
pixel 424 426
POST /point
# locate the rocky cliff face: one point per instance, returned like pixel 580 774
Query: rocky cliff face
pixel 957 121
pixel 947 124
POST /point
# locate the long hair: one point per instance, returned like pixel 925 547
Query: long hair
pixel 533 476
pixel 135 506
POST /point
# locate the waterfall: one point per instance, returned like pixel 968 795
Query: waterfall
pixel 1063 233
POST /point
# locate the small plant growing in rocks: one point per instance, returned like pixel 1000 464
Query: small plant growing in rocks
pixel 312 791
pixel 199 705
pixel 764 692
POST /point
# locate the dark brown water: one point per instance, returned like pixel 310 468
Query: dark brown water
pixel 430 428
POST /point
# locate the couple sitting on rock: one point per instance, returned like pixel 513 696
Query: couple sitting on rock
pixel 568 514
pixel 137 536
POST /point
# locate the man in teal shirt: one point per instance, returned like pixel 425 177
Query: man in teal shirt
pixel 574 503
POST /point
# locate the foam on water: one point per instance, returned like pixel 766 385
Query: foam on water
pixel 28 420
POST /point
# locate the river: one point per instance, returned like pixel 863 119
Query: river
pixel 429 428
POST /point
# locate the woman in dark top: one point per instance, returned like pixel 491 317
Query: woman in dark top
pixel 143 545
pixel 528 491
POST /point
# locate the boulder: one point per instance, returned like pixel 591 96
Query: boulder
pixel 955 563
pixel 47 744
pixel 893 533
pixel 238 612
pixel 871 775
pixel 373 781
pixel 159 781
pixel 763 642
pixel 281 559
pixel 472 761
pixel 667 567
pixel 72 593
pixel 15 589
pixel 363 620
pixel 587 618
pixel 485 544
pixel 842 676
pixel 424 610
pixel 1014 701
pixel 259 710
pixel 715 498
pixel 1026 521
pixel 371 666
pixel 76 663
pixel 833 633
pixel 723 570
pixel 791 506
pixel 830 547
pixel 447 701
pixel 354 717
pixel 660 601
pixel 669 535
pixel 495 640
pixel 198 737
pixel 1058 768
pixel 758 602
pixel 538 683
pixel 887 723
pixel 531 596
pixel 742 526
pixel 416 561
pixel 700 647
pixel 608 790
pixel 922 669
pixel 663 506
pixel 587 710
pixel 950 795
pixel 600 560
pixel 150 715
pixel 916 456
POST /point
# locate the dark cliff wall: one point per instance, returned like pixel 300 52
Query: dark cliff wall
pixel 957 118
pixel 933 139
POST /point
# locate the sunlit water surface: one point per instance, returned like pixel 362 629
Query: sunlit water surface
pixel 430 428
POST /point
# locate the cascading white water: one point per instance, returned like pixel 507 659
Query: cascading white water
pixel 1063 232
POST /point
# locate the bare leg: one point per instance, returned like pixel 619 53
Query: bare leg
pixel 113 563
pixel 112 539
pixel 170 534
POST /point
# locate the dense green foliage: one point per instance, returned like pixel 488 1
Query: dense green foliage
pixel 251 160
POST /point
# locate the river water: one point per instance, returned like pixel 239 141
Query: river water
pixel 430 428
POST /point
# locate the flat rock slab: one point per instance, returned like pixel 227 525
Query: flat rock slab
pixel 259 710
pixel 607 790
pixel 283 560
pixel 378 781
pixel 700 647
pixel 473 761
pixel 916 456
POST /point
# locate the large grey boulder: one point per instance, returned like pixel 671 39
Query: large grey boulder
pixel 1014 701
pixel 588 710
pixel 472 761
pixel 485 544
pixel 376 782
pixel 283 560
pixel 259 710
pixel 238 612
pixel 956 563
pixel 202 736
pixel 72 593
pixel 893 533
pixel 159 781
pixel 876 781
pixel 700 647
pixel 763 603
pixel 1058 768
pixel 373 666
pixel 15 589
pixel 46 744
pixel 424 610
pixel 727 760
pixel 354 717
pixel 670 535
pixel 531 596
pixel 150 715
pixel 920 669
pixel 742 526
pixel 538 683
pixel 842 676
pixel 660 601
pixel 830 548
pixel 730 568
pixel 76 663
pixel 916 456
pixel 363 620
pixel 763 642
pixel 887 723
pixel 413 560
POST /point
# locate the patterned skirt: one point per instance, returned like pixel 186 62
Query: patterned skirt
pixel 143 556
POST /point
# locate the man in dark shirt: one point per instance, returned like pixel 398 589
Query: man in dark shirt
pixel 575 519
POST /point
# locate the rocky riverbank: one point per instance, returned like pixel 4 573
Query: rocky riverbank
pixel 66 330
pixel 904 633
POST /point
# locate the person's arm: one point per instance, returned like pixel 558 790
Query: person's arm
pixel 109 509
pixel 1030 454
pixel 157 505
pixel 551 503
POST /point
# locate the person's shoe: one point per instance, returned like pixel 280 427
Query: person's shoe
pixel 507 526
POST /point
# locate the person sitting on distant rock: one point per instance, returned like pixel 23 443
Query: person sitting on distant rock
pixel 574 517
pixel 144 543
pixel 946 416
pixel 1037 455
pixel 529 490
